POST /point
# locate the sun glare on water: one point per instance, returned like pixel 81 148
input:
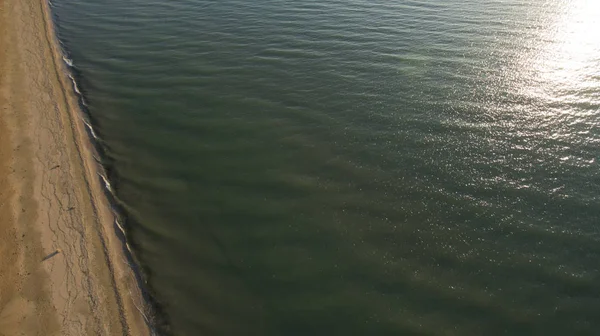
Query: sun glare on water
pixel 569 61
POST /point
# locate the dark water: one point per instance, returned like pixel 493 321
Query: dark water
pixel 353 167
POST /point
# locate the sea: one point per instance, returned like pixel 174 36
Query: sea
pixel 356 167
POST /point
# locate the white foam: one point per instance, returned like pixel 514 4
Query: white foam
pixel 106 183
pixel 120 227
pixel 90 128
pixel 75 85
pixel 128 248
pixel 68 61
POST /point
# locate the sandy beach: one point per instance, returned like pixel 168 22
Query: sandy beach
pixel 62 268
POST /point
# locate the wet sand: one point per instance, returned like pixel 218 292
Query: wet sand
pixel 62 270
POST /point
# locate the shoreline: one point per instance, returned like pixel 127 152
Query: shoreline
pixel 150 309
pixel 69 273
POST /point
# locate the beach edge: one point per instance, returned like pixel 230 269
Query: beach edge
pixel 133 304
pixel 66 267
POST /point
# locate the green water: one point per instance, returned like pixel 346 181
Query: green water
pixel 353 167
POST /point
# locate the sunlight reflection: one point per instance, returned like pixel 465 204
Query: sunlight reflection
pixel 569 62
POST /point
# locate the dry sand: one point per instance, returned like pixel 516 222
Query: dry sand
pixel 51 198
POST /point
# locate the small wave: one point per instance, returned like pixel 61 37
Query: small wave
pixel 106 183
pixel 75 87
pixel 90 128
pixel 68 61
pixel 128 248
pixel 119 225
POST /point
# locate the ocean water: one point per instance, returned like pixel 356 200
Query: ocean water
pixel 352 167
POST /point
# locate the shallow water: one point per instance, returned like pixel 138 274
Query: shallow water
pixel 353 167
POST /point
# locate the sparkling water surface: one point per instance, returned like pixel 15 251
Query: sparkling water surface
pixel 353 167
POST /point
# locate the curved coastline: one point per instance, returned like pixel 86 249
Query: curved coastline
pixel 147 306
